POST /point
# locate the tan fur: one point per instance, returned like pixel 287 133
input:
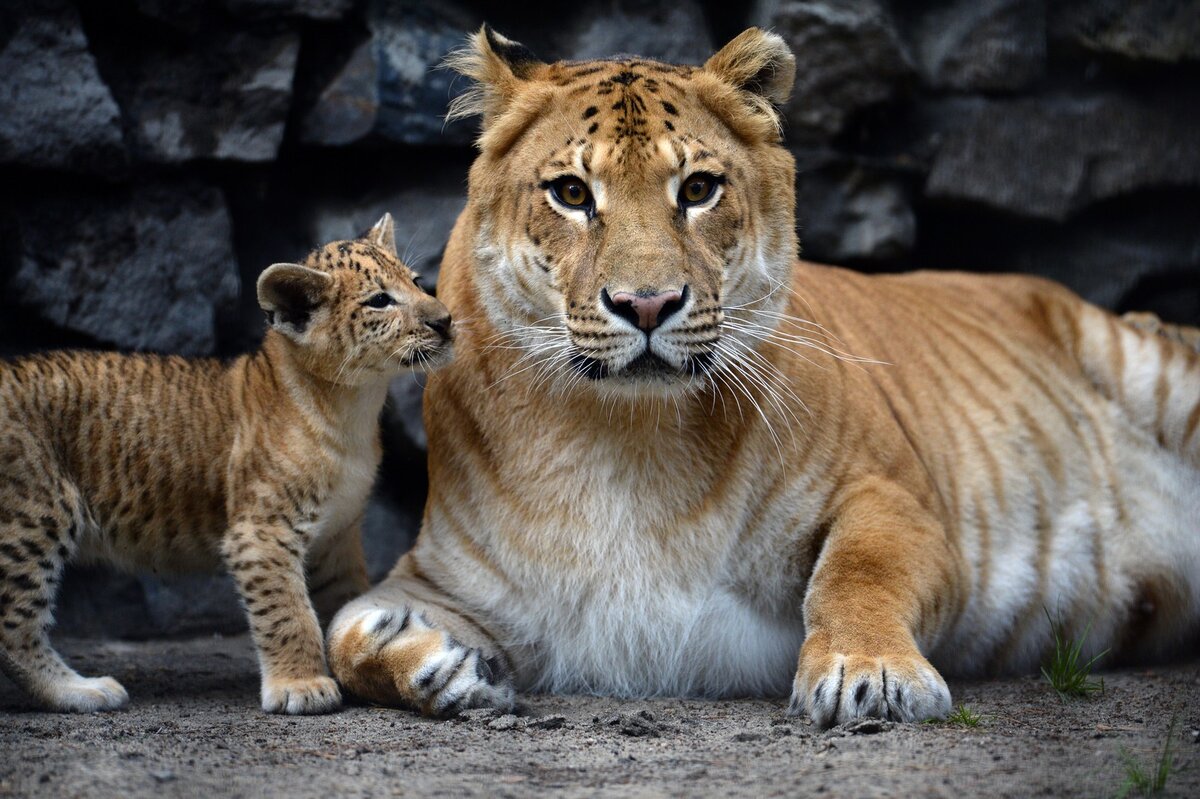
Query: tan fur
pixel 164 464
pixel 871 473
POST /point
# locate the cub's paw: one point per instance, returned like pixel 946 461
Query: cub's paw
pixel 86 695
pixel 301 697
pixel 839 687
pixel 398 658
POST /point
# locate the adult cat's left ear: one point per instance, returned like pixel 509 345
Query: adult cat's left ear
pixel 383 234
pixel 757 62
pixel 289 293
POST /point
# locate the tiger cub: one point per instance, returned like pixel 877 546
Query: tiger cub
pixel 165 464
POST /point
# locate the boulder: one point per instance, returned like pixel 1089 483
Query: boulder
pixel 851 214
pixel 410 41
pixel 55 110
pixel 849 57
pixel 144 268
pixel 675 33
pixel 208 92
pixel 1154 30
pixel 347 104
pixel 981 45
pixel 1049 156
pixel 324 10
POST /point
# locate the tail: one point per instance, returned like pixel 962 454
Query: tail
pixel 1150 368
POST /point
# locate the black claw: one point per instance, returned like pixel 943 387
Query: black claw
pixel 484 670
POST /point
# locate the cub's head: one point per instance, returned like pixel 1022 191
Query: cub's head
pixel 354 313
pixel 622 208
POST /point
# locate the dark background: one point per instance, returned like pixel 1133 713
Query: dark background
pixel 156 155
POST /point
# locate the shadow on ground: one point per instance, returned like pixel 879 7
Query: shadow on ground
pixel 194 729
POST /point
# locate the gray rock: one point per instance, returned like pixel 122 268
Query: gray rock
pixel 1050 156
pixel 1157 30
pixel 406 394
pixel 348 106
pixel 101 603
pixel 981 45
pixel 142 269
pixel 847 214
pixel 675 33
pixel 223 95
pixel 411 39
pixel 55 110
pixel 1127 260
pixel 389 530
pixel 313 9
pixel 849 57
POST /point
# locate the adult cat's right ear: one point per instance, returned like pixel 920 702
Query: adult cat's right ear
pixel 290 293
pixel 497 65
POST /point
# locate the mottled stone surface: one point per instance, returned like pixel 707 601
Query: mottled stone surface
pixel 987 45
pixel 1156 30
pixel 1050 156
pixel 849 57
pixel 55 110
pixel 143 269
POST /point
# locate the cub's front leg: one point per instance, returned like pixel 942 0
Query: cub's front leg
pixel 886 579
pixel 405 644
pixel 267 563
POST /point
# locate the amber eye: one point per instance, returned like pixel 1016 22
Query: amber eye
pixel 572 192
pixel 697 188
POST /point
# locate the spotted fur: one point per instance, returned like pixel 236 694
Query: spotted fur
pixel 802 479
pixel 165 464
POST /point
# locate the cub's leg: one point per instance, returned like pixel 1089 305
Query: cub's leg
pixel 267 563
pixel 40 520
pixel 406 644
pixel 337 572
pixel 886 579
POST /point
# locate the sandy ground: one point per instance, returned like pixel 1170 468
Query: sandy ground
pixel 194 729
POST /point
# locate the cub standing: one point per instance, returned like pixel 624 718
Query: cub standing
pixel 166 464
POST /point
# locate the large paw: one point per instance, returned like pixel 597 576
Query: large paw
pixel 398 657
pixel 86 695
pixel 301 697
pixel 839 687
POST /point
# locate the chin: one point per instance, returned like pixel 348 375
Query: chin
pixel 645 377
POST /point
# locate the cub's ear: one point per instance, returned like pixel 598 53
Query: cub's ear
pixel 497 65
pixel 289 293
pixel 383 235
pixel 757 62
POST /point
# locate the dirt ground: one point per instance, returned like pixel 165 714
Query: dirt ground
pixel 193 728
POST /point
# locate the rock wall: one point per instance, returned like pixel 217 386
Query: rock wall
pixel 155 156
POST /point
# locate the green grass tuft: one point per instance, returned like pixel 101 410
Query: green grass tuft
pixel 1141 780
pixel 964 717
pixel 1067 672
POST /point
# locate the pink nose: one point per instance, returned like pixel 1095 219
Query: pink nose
pixel 647 311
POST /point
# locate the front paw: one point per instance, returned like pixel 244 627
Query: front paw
pixel 398 657
pixel 301 697
pixel 835 687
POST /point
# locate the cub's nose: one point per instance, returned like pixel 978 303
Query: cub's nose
pixel 645 310
pixel 434 316
pixel 440 325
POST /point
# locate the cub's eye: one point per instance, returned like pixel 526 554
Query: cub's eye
pixel 697 188
pixel 380 300
pixel 572 192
